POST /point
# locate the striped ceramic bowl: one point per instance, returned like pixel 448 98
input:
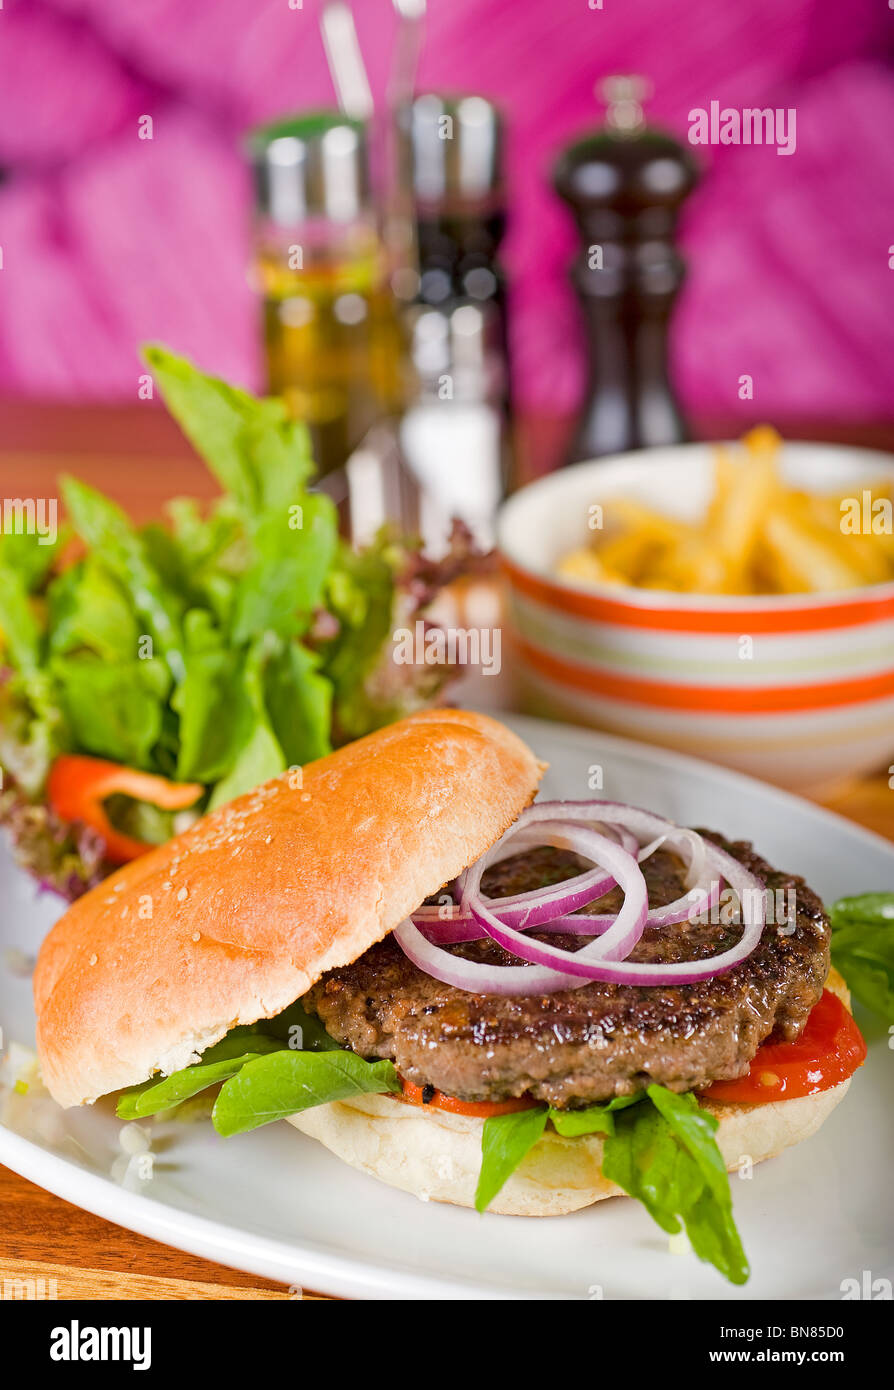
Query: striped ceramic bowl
pixel 797 689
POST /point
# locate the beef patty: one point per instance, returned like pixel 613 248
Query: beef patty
pixel 602 1040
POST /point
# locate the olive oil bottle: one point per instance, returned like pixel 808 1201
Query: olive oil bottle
pixel 332 334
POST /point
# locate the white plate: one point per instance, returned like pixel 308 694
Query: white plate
pixel 277 1204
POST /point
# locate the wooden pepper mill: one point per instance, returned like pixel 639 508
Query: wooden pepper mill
pixel 625 184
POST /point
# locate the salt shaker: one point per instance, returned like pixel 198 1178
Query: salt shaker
pixel 455 436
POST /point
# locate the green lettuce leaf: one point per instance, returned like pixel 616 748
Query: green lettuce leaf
pixel 301 1030
pixel 373 593
pixel 217 716
pixel 279 451
pixel 865 909
pixel 20 628
pixel 259 760
pixel 284 581
pixel 90 611
pixel 863 949
pixel 506 1140
pixel 294 1029
pixel 666 1156
pixel 594 1119
pixel 218 1064
pixel 285 1083
pixel 299 704
pixel 361 590
pixel 663 1153
pixel 201 553
pixel 30 737
pixel 261 756
pixel 256 452
pixel 213 416
pixel 30 556
pixel 105 529
pixel 30 718
pixel 112 711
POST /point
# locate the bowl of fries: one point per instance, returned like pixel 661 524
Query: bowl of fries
pixel 735 601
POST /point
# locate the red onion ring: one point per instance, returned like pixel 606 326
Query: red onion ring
pixel 616 943
pixel 703 892
pixel 750 892
pixel 449 924
pixel 551 968
pixel 536 979
pixel 625 838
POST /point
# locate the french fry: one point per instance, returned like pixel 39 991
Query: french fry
pixel 631 554
pixel 585 565
pixel 758 536
pixel 630 513
pixel 806 561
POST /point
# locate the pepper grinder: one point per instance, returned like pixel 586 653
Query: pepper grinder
pixel 625 184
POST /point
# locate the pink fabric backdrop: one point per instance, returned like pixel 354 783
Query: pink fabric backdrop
pixel 108 239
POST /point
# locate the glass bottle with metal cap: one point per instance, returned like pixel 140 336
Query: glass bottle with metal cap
pixel 455 436
pixel 332 339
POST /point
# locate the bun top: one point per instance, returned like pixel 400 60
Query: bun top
pixel 235 919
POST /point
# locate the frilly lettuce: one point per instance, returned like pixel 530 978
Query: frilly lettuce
pixel 221 646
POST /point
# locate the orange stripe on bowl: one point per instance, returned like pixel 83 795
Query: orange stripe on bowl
pixel 720 699
pixel 601 609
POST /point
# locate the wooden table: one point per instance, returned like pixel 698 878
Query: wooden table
pixel 136 455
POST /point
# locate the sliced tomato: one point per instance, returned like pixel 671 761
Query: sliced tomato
pixel 828 1051
pixel 78 786
pixel 480 1109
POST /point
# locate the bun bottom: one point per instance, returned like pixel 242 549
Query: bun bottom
pixel 437 1156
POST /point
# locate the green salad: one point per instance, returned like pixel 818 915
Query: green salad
pixel 217 647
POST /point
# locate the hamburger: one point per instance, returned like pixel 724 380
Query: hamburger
pixel 473 996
